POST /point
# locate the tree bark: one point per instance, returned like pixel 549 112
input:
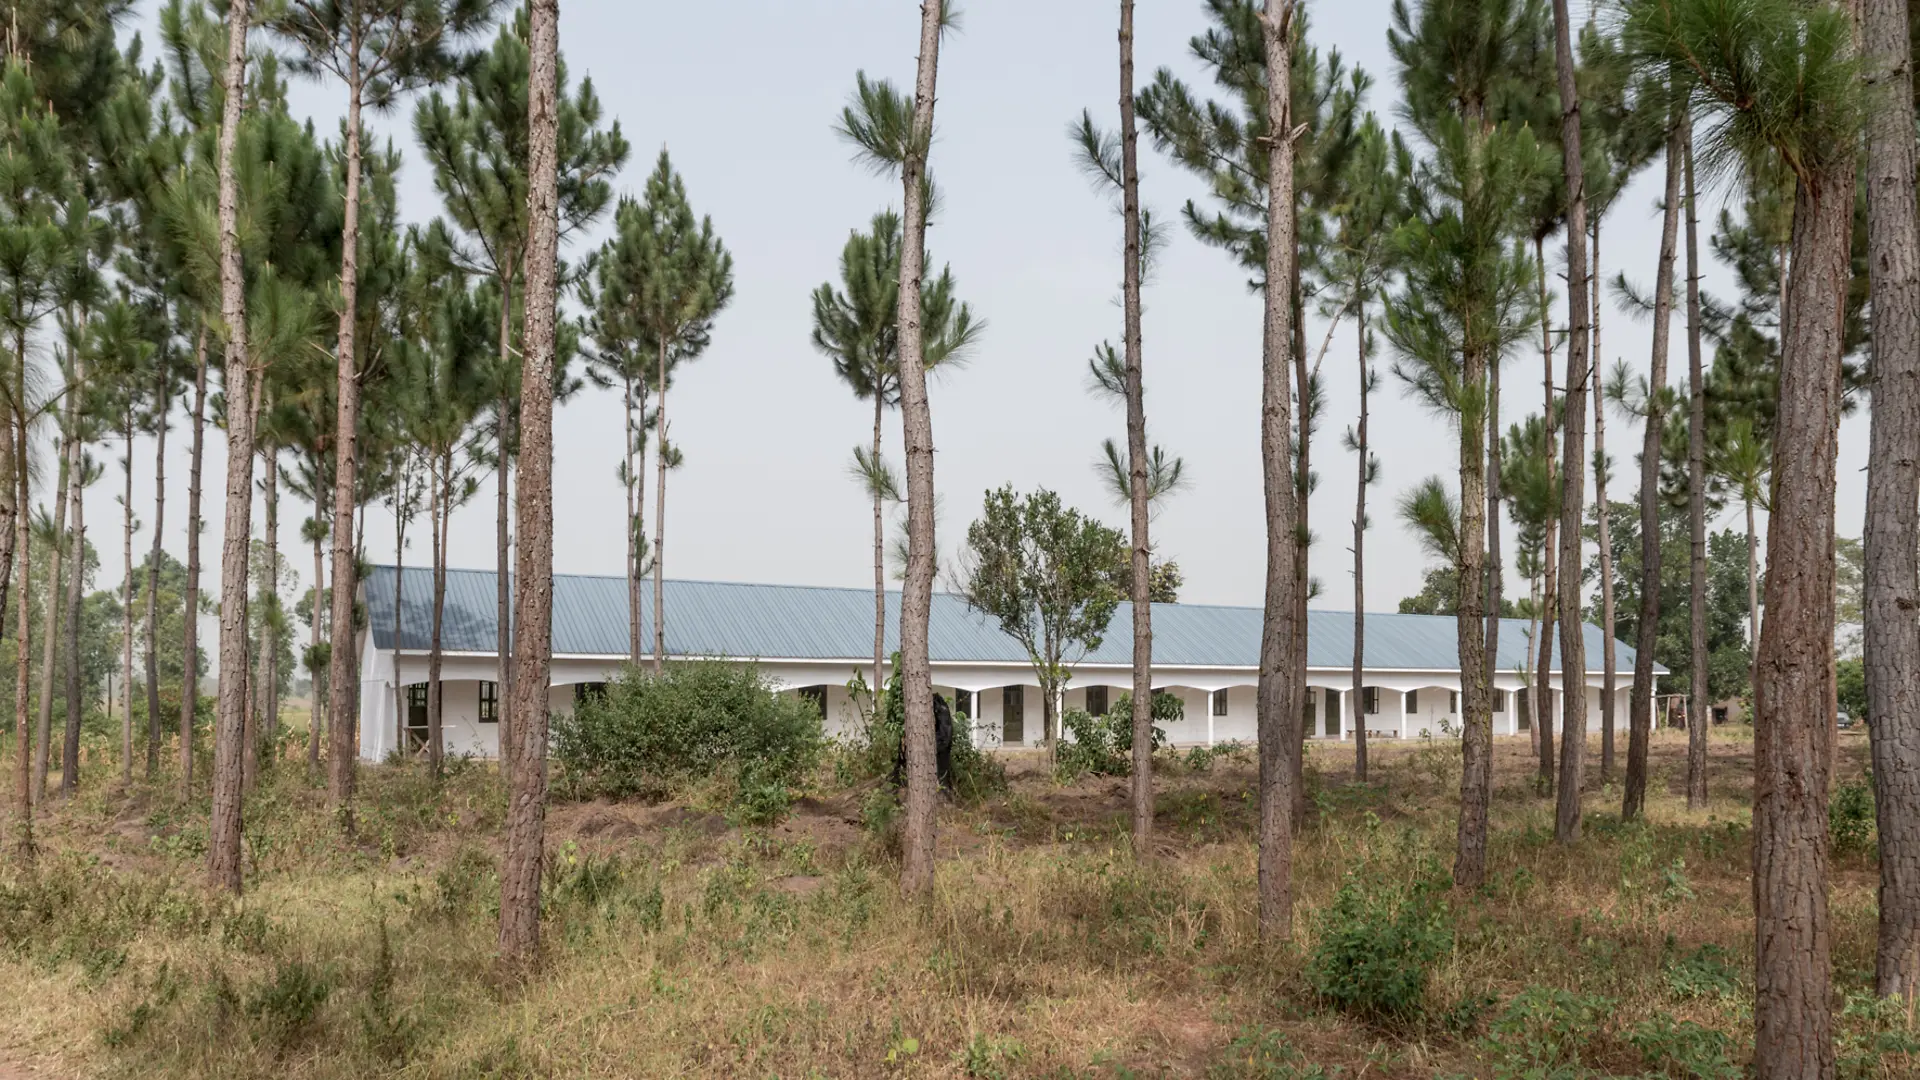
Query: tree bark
pixel 190 632
pixel 533 585
pixel 633 528
pixel 151 651
pixel 9 510
pixel 503 539
pixel 1794 695
pixel 223 850
pixel 1280 676
pixel 1647 638
pixel 1360 563
pixel 1609 658
pixel 1550 576
pixel 1696 505
pixel 1303 537
pixel 1476 734
pixel 76 587
pixel 399 605
pixel 126 602
pixel 270 626
pixel 660 455
pixel 316 612
pixel 56 601
pixel 23 601
pixel 1573 646
pixel 1892 537
pixel 342 730
pixel 879 558
pixel 916 594
pixel 1141 555
pixel 436 702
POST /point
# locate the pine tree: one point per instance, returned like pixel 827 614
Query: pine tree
pixel 478 144
pixel 857 327
pixel 378 49
pixel 441 391
pixel 1892 535
pixel 1465 301
pixel 894 137
pixel 676 276
pixel 533 608
pixel 1779 78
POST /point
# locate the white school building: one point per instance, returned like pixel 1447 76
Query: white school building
pixel 813 641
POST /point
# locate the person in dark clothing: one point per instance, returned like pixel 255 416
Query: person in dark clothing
pixel 942 744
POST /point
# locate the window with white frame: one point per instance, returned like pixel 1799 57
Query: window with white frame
pixel 1219 702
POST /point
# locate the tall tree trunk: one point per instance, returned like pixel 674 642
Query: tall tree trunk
pixel 10 510
pixel 223 850
pixel 502 544
pixel 1793 699
pixel 23 600
pixel 126 600
pixel 879 559
pixel 399 605
pixel 533 584
pixel 503 627
pixel 316 612
pixel 1609 657
pixel 342 730
pixel 916 593
pixel 1573 645
pixel 56 601
pixel 76 587
pixel 1476 734
pixel 660 454
pixel 1496 565
pixel 1753 592
pixel 1647 636
pixel 1303 537
pixel 1696 506
pixel 1281 672
pixel 1892 536
pixel 1549 590
pixel 190 631
pixel 1360 562
pixel 633 525
pixel 1142 550
pixel 270 625
pixel 70 750
pixel 151 651
pixel 436 701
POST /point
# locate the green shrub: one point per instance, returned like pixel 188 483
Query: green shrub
pixel 1685 1049
pixel 1103 745
pixel 1545 1032
pixel 697 720
pixel 1850 820
pixel 1376 946
pixel 1707 972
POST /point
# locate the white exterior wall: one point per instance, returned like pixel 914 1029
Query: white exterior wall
pixel 462 673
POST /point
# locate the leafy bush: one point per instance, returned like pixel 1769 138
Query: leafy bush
pixel 1707 972
pixel 697 720
pixel 1685 1049
pixel 1544 1032
pixel 1103 745
pixel 1850 820
pixel 1376 946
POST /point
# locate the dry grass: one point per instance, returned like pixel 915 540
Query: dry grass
pixel 681 945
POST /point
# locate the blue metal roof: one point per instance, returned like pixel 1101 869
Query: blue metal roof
pixel 795 622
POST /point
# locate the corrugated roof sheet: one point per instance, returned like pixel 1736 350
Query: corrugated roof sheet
pixel 795 622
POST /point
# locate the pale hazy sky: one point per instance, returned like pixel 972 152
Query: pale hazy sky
pixel 744 95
